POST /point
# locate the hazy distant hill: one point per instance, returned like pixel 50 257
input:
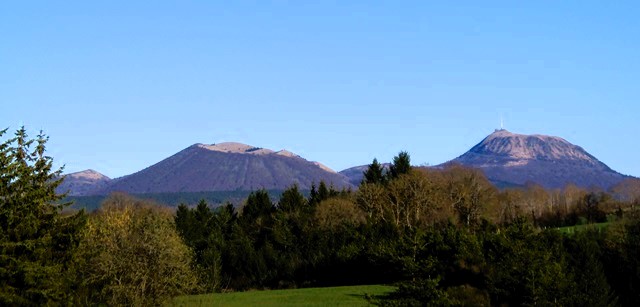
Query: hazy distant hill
pixel 515 159
pixel 226 167
pixel 83 183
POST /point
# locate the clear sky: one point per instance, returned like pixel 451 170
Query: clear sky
pixel 120 86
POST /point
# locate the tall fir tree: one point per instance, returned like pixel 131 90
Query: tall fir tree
pixel 184 222
pixel 401 165
pixel 374 174
pixel 258 205
pixel 313 195
pixel 36 241
pixel 323 191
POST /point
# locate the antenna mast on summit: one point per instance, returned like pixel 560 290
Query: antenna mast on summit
pixel 501 123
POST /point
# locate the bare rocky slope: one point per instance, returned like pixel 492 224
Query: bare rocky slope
pixel 516 159
pixel 226 167
pixel 83 183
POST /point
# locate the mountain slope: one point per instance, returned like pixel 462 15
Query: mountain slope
pixel 83 183
pixel 226 167
pixel 515 159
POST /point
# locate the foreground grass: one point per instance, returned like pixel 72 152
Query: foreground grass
pixel 574 229
pixel 334 296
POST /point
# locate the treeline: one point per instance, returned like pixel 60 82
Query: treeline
pixel 93 202
pixel 445 237
pixel 448 237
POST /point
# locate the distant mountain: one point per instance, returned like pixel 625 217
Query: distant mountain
pixel 356 173
pixel 83 183
pixel 515 159
pixel 226 167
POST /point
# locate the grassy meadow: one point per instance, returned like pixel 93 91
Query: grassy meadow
pixel 576 228
pixel 331 296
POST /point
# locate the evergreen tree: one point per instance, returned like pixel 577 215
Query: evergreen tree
pixel 313 195
pixel 584 253
pixel 374 174
pixel 323 191
pixel 226 216
pixel 525 268
pixel 291 200
pixel 401 165
pixel 257 218
pixel 202 216
pixel 184 222
pixel 36 242
pixel 258 205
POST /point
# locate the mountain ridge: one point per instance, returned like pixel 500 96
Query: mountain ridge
pixel 506 158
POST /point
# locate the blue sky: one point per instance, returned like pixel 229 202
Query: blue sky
pixel 119 86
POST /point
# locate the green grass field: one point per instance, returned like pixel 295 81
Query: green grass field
pixel 334 296
pixel 574 229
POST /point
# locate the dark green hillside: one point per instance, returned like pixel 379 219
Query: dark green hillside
pixel 215 198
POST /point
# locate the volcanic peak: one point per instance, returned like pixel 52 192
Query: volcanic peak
pixel 531 147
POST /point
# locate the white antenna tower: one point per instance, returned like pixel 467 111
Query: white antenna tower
pixel 501 123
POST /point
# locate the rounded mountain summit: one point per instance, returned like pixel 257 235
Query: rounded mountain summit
pixel 510 159
pixel 226 167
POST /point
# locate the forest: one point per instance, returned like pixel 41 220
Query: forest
pixel 444 237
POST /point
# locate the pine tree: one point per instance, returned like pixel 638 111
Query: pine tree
pixel 35 239
pixel 292 200
pixel 323 191
pixel 314 198
pixel 258 205
pixel 374 174
pixel 184 222
pixel 401 165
